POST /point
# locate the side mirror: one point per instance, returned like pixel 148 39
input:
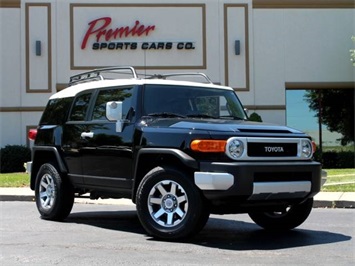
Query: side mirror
pixel 114 114
pixel 114 111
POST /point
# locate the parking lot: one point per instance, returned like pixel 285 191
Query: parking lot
pixel 112 235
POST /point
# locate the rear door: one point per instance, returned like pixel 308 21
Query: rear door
pixel 72 141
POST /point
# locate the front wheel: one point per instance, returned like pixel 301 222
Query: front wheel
pixel 286 219
pixel 169 205
pixel 54 195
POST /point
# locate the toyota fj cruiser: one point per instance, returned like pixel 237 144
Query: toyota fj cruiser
pixel 179 149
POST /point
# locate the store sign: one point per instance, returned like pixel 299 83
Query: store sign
pixel 146 36
pixel 107 38
pixel 100 29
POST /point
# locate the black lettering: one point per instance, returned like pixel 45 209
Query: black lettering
pixel 134 45
pixel 145 45
pixel 95 46
pixel 153 46
pixel 161 45
pixel 180 45
pixel 119 45
pixel 111 46
pixel 103 45
pixel 168 45
pixel 189 46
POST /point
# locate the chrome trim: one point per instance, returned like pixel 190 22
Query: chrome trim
pixel 281 187
pixel 213 181
pixel 246 140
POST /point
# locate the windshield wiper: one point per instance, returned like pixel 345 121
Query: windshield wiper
pixel 233 117
pixel 166 115
pixel 201 116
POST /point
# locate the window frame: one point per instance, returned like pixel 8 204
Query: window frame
pixel 96 95
pixel 88 110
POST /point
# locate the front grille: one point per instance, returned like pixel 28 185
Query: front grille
pixel 269 149
pixel 263 149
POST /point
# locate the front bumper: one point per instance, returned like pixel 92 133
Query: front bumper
pixel 256 181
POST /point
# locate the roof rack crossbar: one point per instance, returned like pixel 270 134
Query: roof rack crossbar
pixel 96 74
pixel 163 76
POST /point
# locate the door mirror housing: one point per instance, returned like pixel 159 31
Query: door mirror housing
pixel 114 114
pixel 114 111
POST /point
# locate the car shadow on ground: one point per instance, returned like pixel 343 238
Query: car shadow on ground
pixel 239 235
pixel 126 221
pixel 218 233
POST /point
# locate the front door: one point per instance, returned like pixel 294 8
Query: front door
pixel 107 154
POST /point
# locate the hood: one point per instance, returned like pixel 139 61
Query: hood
pixel 220 125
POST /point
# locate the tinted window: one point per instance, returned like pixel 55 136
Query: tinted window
pixel 113 94
pixel 56 111
pixel 80 107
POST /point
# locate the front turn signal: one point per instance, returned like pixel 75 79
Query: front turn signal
pixel 207 145
pixel 314 147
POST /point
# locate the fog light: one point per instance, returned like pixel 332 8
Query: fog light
pixel 234 148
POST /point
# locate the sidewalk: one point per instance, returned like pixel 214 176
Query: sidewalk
pixel 26 194
pixel 321 200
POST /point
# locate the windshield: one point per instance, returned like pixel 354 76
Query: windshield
pixel 196 102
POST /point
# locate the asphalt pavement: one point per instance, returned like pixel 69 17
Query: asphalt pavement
pixel 321 200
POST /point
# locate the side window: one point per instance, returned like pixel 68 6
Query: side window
pixel 56 111
pixel 80 107
pixel 114 94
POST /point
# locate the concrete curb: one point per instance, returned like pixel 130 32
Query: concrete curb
pixel 321 200
pixel 16 198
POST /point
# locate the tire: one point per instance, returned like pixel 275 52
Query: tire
pixel 288 219
pixel 54 195
pixel 169 205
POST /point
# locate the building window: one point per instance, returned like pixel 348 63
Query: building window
pixel 328 105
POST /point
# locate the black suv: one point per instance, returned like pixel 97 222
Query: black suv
pixel 179 149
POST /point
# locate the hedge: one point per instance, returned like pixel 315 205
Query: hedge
pixel 336 160
pixel 13 158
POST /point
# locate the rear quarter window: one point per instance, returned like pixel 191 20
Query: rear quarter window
pixel 80 107
pixel 56 111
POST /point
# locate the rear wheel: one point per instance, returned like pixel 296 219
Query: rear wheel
pixel 286 219
pixel 169 205
pixel 54 195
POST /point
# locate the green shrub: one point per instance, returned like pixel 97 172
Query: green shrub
pixel 13 157
pixel 255 117
pixel 336 160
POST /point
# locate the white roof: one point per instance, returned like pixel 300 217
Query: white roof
pixel 74 90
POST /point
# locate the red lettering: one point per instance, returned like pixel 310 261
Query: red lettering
pixel 92 29
pixel 141 29
pixel 98 28
pixel 123 31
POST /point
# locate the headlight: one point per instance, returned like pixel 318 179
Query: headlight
pixel 234 148
pixel 307 149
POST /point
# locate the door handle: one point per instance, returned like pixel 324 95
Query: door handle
pixel 87 135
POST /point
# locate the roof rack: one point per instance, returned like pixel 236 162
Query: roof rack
pixel 96 74
pixel 164 76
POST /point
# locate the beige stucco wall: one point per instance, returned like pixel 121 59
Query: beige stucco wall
pixel 284 44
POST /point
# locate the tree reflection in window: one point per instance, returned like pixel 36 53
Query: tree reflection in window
pixel 56 111
pixel 80 107
pixel 115 94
